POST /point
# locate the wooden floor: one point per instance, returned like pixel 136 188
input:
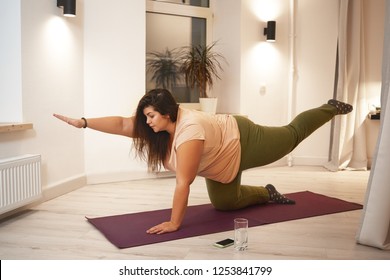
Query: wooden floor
pixel 57 229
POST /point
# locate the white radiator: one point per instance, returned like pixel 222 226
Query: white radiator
pixel 20 181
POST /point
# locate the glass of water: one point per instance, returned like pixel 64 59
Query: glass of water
pixel 240 234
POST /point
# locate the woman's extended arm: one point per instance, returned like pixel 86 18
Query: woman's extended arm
pixel 188 159
pixel 113 125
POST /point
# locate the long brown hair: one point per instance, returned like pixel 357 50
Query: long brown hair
pixel 149 145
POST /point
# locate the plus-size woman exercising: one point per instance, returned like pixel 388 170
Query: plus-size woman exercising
pixel 217 147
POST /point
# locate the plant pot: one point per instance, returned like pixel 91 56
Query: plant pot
pixel 209 104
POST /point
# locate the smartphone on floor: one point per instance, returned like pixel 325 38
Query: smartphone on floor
pixel 224 243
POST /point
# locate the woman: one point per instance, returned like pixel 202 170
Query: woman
pixel 217 147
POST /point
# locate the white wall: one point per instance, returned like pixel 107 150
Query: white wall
pixel 227 31
pixel 255 63
pixel 51 54
pixel 11 62
pixel 264 63
pixel 317 25
pixel 374 16
pixel 114 55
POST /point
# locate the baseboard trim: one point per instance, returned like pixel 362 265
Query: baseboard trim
pixel 114 177
pixel 64 187
pixel 292 160
pixel 309 161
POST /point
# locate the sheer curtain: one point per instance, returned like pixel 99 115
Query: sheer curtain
pixel 348 144
pixel 375 223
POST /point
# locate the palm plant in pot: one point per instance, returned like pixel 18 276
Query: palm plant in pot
pixel 164 68
pixel 200 65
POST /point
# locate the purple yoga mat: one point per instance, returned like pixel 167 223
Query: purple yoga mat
pixel 129 230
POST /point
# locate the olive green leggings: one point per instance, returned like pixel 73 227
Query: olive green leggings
pixel 262 145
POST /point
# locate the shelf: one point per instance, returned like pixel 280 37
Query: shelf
pixel 10 127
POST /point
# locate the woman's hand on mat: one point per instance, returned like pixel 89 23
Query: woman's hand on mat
pixel 163 228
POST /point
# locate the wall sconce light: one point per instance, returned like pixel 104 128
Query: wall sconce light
pixel 270 31
pixel 69 7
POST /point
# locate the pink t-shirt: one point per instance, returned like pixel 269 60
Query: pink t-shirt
pixel 222 151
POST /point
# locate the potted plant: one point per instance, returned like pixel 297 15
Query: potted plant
pixel 164 68
pixel 200 65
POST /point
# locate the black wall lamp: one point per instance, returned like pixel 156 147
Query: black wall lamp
pixel 270 31
pixel 69 7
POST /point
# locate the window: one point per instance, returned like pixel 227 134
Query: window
pixel 169 28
